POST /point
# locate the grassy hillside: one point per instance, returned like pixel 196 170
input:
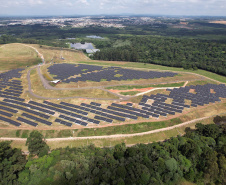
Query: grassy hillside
pixel 14 56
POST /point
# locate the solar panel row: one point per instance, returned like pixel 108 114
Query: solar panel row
pixel 25 109
pixel 11 97
pixel 66 108
pixel 8 109
pixel 10 121
pixel 30 106
pixel 36 119
pixel 76 121
pixel 15 73
pixel 63 122
pixel 73 114
pixel 130 110
pixel 103 119
pixel 27 121
pixel 5 114
pixel 9 94
pixel 96 104
pixel 99 111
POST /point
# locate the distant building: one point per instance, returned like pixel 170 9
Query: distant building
pixel 82 46
pixel 70 38
pixel 94 37
pixel 91 51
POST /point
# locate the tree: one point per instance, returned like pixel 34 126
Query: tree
pixel 12 162
pixel 119 151
pixel 36 144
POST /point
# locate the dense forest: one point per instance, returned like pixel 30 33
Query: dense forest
pixel 186 53
pixel 198 156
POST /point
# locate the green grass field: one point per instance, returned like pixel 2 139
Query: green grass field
pixel 125 87
pixel 130 93
pixel 161 136
pixel 13 56
pixel 129 128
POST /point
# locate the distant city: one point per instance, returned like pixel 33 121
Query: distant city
pixel 117 22
pixel 107 21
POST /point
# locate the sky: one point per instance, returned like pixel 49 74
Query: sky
pixel 97 7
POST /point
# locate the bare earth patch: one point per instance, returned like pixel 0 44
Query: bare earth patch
pixel 218 22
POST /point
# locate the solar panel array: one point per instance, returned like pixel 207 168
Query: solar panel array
pixel 15 73
pixel 35 113
pixel 66 73
pixel 202 95
pixel 9 88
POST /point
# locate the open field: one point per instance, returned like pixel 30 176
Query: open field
pixel 53 54
pixel 130 93
pixel 218 22
pixel 125 87
pixel 202 82
pixel 13 56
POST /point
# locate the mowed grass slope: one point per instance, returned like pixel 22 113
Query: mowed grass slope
pixel 54 54
pixel 13 56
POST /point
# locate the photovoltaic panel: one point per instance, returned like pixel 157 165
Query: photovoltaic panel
pixel 15 123
pixel 27 121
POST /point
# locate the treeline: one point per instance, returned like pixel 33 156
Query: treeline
pixel 198 156
pixel 7 39
pixel 186 53
pixel 117 54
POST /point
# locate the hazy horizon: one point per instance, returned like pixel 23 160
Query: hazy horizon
pixel 108 7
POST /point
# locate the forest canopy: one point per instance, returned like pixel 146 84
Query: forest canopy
pixel 186 53
pixel 198 156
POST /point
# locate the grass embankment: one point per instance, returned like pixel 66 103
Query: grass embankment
pixel 130 93
pixel 129 128
pixel 13 56
pixel 161 136
pixel 127 87
pixel 45 73
pixel 38 89
pixel 203 82
pixel 54 54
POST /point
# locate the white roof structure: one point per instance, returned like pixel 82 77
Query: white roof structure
pixel 82 46
pixel 91 51
pixel 55 81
